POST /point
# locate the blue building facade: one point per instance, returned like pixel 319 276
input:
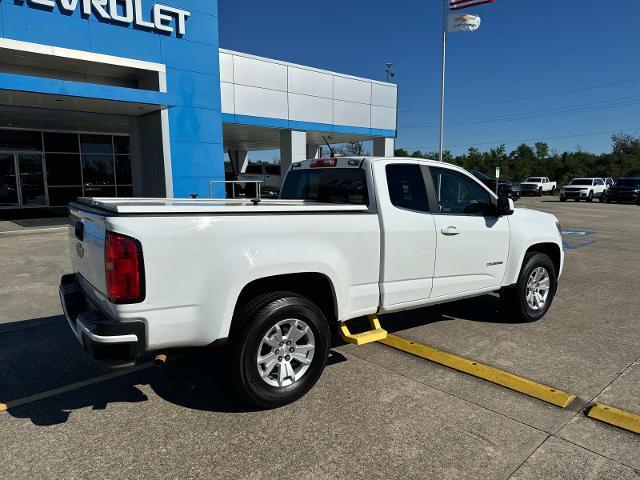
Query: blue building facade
pixel 186 44
pixel 135 97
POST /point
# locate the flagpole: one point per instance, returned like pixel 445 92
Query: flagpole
pixel 444 62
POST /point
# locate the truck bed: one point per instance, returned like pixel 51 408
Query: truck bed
pixel 206 206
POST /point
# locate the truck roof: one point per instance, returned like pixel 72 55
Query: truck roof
pixel 357 162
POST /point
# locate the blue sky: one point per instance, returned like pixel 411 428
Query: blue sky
pixel 524 48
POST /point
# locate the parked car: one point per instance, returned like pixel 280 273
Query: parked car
pixel 350 237
pixel 268 174
pixel 537 186
pixel 609 182
pixel 505 187
pixel 584 189
pixel 625 190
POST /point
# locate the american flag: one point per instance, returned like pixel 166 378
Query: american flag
pixel 461 4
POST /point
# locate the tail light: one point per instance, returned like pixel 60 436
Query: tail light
pixel 124 269
pixel 324 162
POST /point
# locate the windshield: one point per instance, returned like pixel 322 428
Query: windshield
pixel 327 185
pixel 534 179
pixel 628 182
pixel 581 181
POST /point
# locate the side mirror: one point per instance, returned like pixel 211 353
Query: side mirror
pixel 504 206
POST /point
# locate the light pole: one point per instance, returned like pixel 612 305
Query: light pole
pixel 389 71
pixel 444 63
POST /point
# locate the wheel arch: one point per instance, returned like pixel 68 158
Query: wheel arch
pixel 315 286
pixel 552 250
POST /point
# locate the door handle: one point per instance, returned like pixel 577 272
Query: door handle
pixel 450 231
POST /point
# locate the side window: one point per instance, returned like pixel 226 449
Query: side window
pixel 457 194
pixel 599 182
pixel 407 188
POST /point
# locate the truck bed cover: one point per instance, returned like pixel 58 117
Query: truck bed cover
pixel 206 206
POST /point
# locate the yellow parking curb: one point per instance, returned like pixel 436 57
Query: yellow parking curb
pixel 500 377
pixel 614 416
pixel 3 407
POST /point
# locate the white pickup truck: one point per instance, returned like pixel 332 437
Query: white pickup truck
pixel 537 186
pixel 350 237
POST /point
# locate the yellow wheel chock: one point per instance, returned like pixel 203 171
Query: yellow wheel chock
pixel 376 333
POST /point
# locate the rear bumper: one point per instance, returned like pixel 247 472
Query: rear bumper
pixel 111 343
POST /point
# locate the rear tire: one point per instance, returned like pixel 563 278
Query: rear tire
pixel 531 297
pixel 563 199
pixel 280 348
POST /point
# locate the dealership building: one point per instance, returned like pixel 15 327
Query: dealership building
pixel 132 97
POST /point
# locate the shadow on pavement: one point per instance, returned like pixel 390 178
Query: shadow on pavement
pixel 484 309
pixel 42 354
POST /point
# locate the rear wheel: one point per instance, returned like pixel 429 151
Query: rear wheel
pixel 531 297
pixel 280 350
pixel 563 199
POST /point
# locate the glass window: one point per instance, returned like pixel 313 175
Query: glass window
pixel 63 169
pixel 61 142
pixel 123 169
pixel 407 188
pixel 599 182
pixel 61 196
pixel 97 169
pixel 21 140
pixel 459 194
pixel 122 145
pixel 125 191
pixel 327 185
pixel 94 191
pixel 96 144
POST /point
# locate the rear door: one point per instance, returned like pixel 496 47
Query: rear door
pixel 408 232
pixel 472 244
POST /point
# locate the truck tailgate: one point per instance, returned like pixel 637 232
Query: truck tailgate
pixel 87 231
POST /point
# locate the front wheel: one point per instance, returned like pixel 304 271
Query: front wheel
pixel 590 197
pixel 531 297
pixel 540 192
pixel 280 350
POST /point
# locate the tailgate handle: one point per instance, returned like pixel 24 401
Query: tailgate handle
pixel 79 230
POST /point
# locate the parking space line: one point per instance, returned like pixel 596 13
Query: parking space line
pixel 614 416
pixel 68 388
pixel 485 372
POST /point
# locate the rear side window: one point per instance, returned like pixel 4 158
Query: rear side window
pixel 407 188
pixel 327 185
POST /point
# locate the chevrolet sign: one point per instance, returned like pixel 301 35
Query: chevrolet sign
pixel 163 18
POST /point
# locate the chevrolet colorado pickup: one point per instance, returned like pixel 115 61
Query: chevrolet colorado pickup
pixel 349 237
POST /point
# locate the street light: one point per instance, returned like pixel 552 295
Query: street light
pixel 389 71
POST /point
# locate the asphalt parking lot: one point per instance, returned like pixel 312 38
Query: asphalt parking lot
pixel 375 413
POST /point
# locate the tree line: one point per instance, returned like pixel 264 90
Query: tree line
pixel 526 161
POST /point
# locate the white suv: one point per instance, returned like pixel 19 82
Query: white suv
pixel 584 189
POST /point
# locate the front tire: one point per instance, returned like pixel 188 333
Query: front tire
pixel 280 349
pixel 531 297
pixel 540 192
pixel 590 197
